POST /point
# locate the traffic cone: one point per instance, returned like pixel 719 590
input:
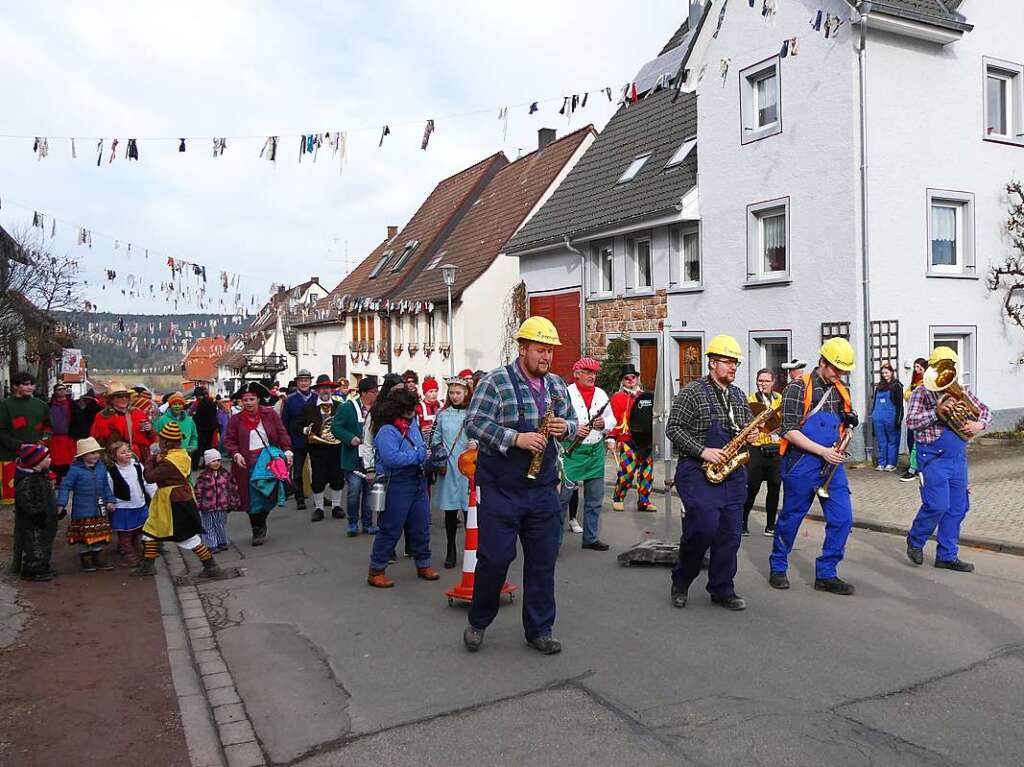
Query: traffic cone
pixel 463 591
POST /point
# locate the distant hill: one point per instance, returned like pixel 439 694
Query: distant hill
pixel 144 342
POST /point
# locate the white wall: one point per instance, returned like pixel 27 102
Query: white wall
pixel 927 133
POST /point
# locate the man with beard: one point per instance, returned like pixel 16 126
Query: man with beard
pixel 324 454
pixel 291 417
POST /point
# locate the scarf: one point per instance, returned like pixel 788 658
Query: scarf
pixel 587 392
pixel 403 424
pixel 251 420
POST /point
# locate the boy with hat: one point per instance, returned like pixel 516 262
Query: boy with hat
pixel 324 451
pixel 173 513
pixel 35 513
pixel 636 456
pixel 88 482
pixel 429 406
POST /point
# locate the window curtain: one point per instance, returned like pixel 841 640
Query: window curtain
pixel 767 101
pixel 943 235
pixel 643 271
pixel 691 257
pixel 774 243
pixel 996 106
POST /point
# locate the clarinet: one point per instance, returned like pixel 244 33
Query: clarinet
pixel 579 440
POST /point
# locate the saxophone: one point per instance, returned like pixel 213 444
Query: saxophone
pixel 736 456
pixel 542 428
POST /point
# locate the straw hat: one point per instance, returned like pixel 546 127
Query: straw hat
pixel 117 389
pixel 87 445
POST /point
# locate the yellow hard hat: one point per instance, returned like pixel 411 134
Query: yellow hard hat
pixel 943 353
pixel 539 329
pixel 838 353
pixel 725 346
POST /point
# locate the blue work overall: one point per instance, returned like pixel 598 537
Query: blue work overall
pixel 513 506
pixel 801 475
pixel 887 432
pixel 944 499
pixel 714 514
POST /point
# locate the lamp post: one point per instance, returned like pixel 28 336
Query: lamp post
pixel 448 275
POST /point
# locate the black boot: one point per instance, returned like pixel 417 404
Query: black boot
pixel 146 567
pixel 300 502
pixel 451 526
pixel 87 564
pixel 259 536
pixel 211 569
pixel 100 561
pixel 318 515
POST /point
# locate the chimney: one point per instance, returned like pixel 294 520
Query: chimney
pixel 392 232
pixel 545 136
pixel 314 279
pixel 696 11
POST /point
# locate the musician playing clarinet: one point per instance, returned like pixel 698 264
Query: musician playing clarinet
pixel 816 414
pixel 583 460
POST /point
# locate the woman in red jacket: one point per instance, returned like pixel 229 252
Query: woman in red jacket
pixel 249 432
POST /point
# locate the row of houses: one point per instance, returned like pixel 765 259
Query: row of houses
pixel 768 180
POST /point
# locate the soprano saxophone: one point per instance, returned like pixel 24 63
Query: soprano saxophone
pixel 735 456
pixel 542 428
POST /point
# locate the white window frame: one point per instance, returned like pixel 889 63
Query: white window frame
pixel 964 341
pixel 756 214
pixel 757 351
pixel 677 271
pixel 601 253
pixel 634 265
pixel 963 204
pixel 682 152
pixel 1013 76
pixel 750 128
pixel 634 167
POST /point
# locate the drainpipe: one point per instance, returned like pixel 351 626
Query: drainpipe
pixel 583 304
pixel 862 60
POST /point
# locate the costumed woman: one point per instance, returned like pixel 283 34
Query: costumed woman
pixel 257 442
pixel 449 436
pixel 62 444
pixel 173 513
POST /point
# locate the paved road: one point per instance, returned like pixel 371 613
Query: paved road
pixel 921 667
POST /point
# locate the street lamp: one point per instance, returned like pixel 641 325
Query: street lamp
pixel 448 275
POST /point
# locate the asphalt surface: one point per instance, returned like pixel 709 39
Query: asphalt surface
pixel 920 667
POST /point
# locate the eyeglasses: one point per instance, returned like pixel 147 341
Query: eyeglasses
pixel 727 361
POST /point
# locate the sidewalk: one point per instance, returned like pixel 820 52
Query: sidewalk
pixel 85 677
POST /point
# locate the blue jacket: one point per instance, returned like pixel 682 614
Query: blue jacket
pixel 398 455
pixel 291 417
pixel 88 486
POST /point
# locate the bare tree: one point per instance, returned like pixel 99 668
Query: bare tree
pixel 515 313
pixel 1008 277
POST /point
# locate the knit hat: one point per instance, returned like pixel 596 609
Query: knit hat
pixel 211 455
pixel 586 363
pixel 176 397
pixel 171 431
pixel 30 456
pixel 429 384
pixel 465 373
pixel 87 445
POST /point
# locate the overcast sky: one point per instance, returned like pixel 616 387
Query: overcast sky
pixel 137 70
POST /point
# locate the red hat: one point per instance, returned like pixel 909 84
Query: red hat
pixel 30 456
pixel 429 384
pixel 466 373
pixel 586 363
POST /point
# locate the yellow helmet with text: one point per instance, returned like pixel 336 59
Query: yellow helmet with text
pixel 839 354
pixel 940 353
pixel 540 330
pixel 725 346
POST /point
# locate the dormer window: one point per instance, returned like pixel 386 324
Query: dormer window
pixel 436 260
pixel 634 168
pixel 682 152
pixel 410 247
pixel 382 263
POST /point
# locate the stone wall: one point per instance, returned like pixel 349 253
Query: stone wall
pixel 614 317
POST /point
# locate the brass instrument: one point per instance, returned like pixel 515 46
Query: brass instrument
pixel 830 468
pixel 941 379
pixel 324 436
pixel 767 418
pixel 542 428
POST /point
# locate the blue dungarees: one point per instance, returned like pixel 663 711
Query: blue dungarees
pixel 512 505
pixel 801 475
pixel 887 432
pixel 944 499
pixel 714 514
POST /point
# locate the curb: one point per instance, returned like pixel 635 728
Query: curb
pixel 217 727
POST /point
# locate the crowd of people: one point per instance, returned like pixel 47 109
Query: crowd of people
pixel 380 452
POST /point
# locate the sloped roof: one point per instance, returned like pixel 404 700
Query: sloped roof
pixel 941 13
pixel 427 225
pixel 590 198
pixel 500 209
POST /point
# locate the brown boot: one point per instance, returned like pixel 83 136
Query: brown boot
pixel 379 580
pixel 427 573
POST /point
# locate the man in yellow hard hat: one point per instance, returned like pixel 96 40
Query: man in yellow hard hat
pixel 706 415
pixel 942 464
pixel 505 418
pixel 816 412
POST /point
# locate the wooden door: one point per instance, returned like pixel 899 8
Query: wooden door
pixel 563 309
pixel 690 368
pixel 648 364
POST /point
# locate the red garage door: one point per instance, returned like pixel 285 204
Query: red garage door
pixel 563 309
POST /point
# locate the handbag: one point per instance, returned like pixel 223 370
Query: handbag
pixel 277 465
pixel 438 454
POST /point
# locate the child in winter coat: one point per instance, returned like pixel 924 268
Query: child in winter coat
pixel 132 493
pixel 91 505
pixel 35 512
pixel 217 494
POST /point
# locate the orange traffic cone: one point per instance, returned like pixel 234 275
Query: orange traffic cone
pixel 463 591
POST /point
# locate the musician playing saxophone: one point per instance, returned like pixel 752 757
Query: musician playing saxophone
pixel 706 416
pixel 816 413
pixel 942 464
pixel 324 448
pixel 518 500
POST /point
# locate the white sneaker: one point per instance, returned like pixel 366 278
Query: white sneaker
pixel 879 468
pixel 575 526
pixel 890 467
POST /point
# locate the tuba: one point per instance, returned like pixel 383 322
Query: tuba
pixel 324 436
pixel 767 418
pixel 941 379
